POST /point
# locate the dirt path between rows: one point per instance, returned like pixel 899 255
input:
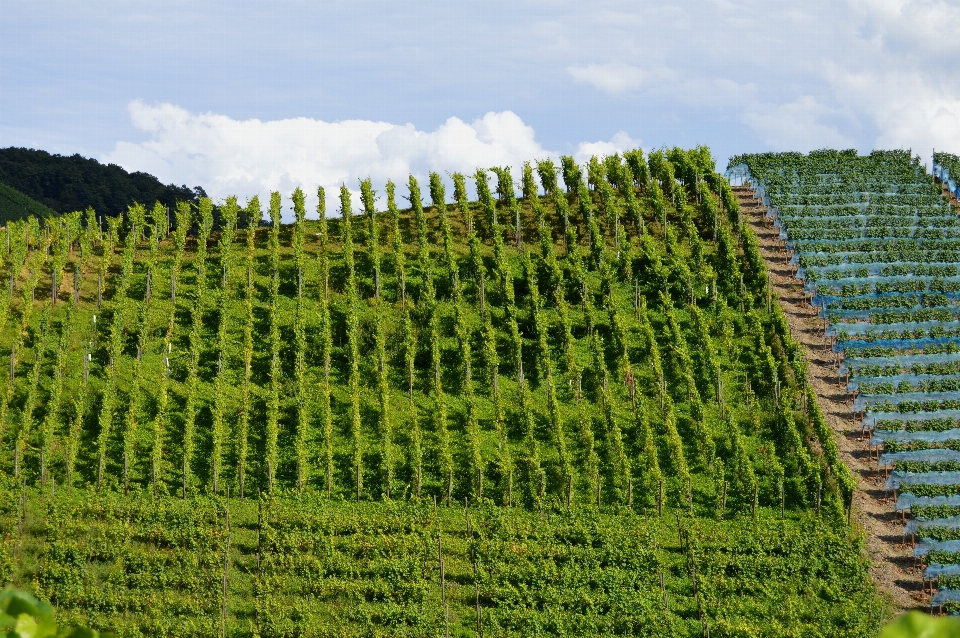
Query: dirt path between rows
pixel 892 564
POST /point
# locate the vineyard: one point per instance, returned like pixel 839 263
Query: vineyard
pixel 570 406
pixel 875 241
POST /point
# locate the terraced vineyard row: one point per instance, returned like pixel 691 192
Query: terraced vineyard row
pixel 876 244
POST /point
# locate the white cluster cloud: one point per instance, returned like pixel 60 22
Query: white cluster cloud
pixel 738 75
pixel 232 157
pixel 839 73
pixel 612 78
pixel 899 80
pixel 620 142
pixel 798 125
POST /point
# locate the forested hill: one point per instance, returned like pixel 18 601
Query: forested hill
pixel 73 183
pixel 16 205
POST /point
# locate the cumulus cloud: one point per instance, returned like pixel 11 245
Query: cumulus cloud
pixel 612 78
pixel 849 73
pixel 735 74
pixel 247 157
pixel 620 142
pixel 801 125
pixel 897 81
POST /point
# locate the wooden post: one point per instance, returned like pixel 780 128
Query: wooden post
pixel 476 591
pixel 723 502
pixel 226 568
pixel 21 515
pixel 259 527
pixel 692 566
pixel 660 500
pixel 663 590
pixel 443 582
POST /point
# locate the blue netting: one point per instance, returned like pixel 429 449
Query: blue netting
pixel 837 272
pixel 891 313
pixel 871 418
pixel 944 596
pixel 880 285
pixel 856 216
pixel 918 526
pixel 864 401
pixel 877 385
pixel 899 480
pixel 903 361
pixel 889 201
pixel 902 254
pixel 834 306
pixel 926 546
pixel 863 330
pixel 879 437
pixel 863 244
pixel 799 237
pixel 937 570
pixel 931 456
pixel 897 344
pixel 906 501
pixel 945 175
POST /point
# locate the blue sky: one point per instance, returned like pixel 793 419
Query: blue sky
pixel 243 97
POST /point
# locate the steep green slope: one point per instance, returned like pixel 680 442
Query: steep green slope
pixel 596 373
pixel 14 205
pixel 74 183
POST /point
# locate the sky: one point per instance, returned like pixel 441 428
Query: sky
pixel 246 97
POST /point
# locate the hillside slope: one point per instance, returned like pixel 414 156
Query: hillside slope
pixel 571 412
pixel 74 183
pixel 14 205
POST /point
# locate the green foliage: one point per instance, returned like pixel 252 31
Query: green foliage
pixel 242 440
pixel 352 329
pixel 14 205
pixel 917 624
pixel 597 387
pixel 23 616
pixel 572 175
pixel 547 171
pixel 326 345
